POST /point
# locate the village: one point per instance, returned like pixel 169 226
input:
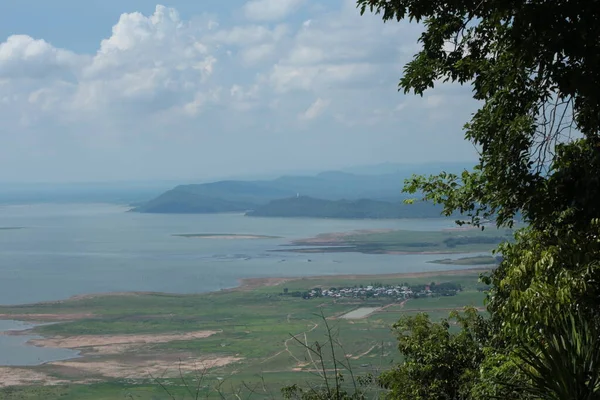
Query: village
pixel 378 290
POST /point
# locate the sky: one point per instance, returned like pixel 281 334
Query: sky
pixel 112 90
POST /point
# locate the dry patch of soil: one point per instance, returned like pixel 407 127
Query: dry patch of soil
pixel 254 283
pixel 115 344
pixel 136 368
pixel 21 376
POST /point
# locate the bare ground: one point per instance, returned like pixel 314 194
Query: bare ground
pixel 146 367
pixel 21 376
pixel 136 367
pixel 115 344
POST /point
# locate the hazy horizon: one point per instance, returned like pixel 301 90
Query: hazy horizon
pixel 145 92
pixel 362 169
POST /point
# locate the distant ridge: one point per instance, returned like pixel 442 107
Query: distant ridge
pixel 384 191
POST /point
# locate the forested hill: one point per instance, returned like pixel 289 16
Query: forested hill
pixel 239 196
pixel 318 208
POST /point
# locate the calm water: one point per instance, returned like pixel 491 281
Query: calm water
pixel 65 250
pixel 15 351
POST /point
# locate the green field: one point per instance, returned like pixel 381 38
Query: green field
pixel 400 241
pixel 254 323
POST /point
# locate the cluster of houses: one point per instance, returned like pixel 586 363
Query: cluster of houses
pixel 402 292
pixel 399 292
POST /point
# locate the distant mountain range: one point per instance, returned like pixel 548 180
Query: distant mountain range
pixel 332 194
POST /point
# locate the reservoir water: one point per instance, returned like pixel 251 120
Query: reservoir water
pixel 64 250
pixel 15 351
pixel 70 249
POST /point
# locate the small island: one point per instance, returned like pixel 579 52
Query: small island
pixel 386 241
pixel 225 236
pixel 476 260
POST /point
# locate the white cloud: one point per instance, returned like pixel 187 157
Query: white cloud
pixel 270 10
pixel 249 34
pixel 315 109
pixel 342 49
pixel 257 43
pixel 161 87
pixel 21 56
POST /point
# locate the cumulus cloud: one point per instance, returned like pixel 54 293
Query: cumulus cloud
pixel 160 84
pixel 255 43
pixel 269 10
pixel 342 48
pixel 22 56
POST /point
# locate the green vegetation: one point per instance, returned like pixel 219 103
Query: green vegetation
pixel 253 323
pixel 532 66
pixel 477 260
pixel 406 242
pixel 304 206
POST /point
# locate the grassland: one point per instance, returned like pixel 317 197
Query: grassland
pixel 403 242
pixel 253 328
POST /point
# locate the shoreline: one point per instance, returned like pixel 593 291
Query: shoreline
pixel 244 284
pixel 131 354
pixel 251 283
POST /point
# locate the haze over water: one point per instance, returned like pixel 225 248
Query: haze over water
pixel 71 249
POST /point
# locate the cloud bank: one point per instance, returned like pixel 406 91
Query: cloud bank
pixel 169 97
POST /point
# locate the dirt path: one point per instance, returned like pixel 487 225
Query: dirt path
pixel 286 345
pixel 364 353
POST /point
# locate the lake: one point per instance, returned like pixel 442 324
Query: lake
pixel 69 249
pixel 15 351
pixel 64 250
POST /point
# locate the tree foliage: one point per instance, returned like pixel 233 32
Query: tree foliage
pixel 534 67
pixel 437 364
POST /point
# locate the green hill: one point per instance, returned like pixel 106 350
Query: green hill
pixel 318 208
pixel 384 192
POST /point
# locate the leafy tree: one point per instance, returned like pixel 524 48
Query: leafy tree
pixel 533 66
pixel 437 363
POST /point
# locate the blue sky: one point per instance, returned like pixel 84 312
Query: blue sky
pixel 102 90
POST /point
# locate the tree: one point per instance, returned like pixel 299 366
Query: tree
pixel 533 65
pixel 438 364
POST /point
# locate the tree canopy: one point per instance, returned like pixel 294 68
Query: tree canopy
pixel 534 66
